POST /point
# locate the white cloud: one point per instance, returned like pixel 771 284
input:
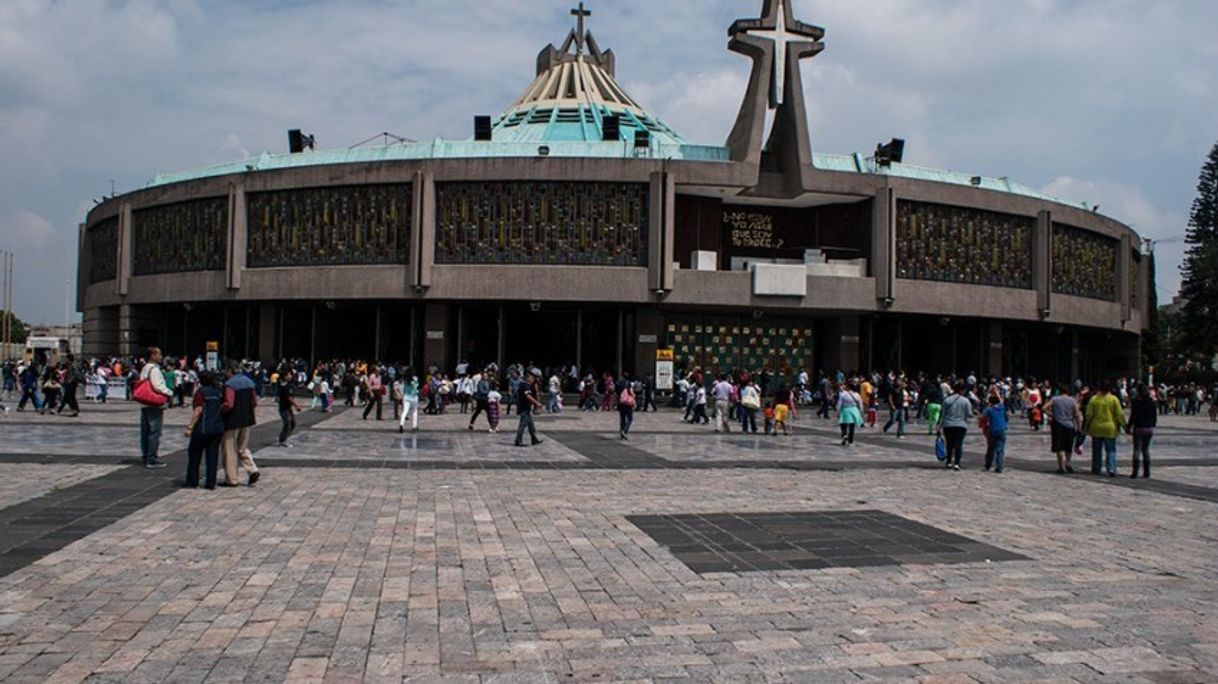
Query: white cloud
pixel 24 231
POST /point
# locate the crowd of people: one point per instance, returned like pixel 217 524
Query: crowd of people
pixel 223 403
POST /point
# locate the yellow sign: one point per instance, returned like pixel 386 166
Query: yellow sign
pixel 213 346
pixel 664 355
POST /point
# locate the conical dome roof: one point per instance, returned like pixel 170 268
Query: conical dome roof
pixel 574 90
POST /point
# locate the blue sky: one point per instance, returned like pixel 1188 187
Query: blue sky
pixel 1105 101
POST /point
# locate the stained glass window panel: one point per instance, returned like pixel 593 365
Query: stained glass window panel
pixel 961 245
pixel 342 225
pixel 596 224
pixel 1084 263
pixel 174 238
pixel 101 242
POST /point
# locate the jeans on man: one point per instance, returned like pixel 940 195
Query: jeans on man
pixel 31 396
pixel 721 416
pixel 69 398
pixel 896 416
pixel 1141 454
pixel 552 403
pixel 996 455
pixel 748 419
pixel 289 424
pixel 526 422
pixel 151 420
pixel 1103 453
pixel 201 444
pixel 480 407
pixel 625 418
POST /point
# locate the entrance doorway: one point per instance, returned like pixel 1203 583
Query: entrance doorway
pixel 547 336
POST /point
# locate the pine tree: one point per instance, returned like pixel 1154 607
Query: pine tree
pixel 1200 269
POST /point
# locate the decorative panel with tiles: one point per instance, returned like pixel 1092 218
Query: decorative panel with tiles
pixel 960 245
pixel 1084 263
pixel 576 223
pixel 716 345
pixel 101 242
pixel 174 238
pixel 341 225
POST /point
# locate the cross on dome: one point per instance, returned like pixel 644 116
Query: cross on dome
pixel 580 13
pixel 779 28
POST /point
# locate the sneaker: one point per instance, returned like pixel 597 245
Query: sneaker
pixel 956 468
pixel 155 463
pixel 254 477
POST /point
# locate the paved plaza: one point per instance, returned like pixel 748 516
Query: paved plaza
pixel 368 555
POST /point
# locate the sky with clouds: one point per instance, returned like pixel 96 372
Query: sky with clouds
pixel 1105 101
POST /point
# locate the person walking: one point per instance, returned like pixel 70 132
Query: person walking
pixel 932 394
pixel 722 393
pixel 288 408
pixel 205 432
pixel 996 419
pixel 953 423
pixel 849 412
pixel 750 406
pixel 1065 421
pixel 410 401
pixel 72 379
pixel 626 402
pixel 152 417
pixel 376 391
pixel 526 404
pixel 51 387
pixel 898 402
pixel 241 398
pixel 1143 417
pixel 28 381
pixel 1104 421
pixel 493 400
pixel 482 391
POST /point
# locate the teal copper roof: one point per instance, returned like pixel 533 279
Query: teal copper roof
pixel 464 149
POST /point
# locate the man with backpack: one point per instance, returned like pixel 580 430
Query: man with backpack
pixel 241 400
pixel 205 432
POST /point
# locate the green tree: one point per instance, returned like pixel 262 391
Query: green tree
pixel 1199 327
pixel 19 330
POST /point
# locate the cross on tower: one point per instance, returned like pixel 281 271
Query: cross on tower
pixel 782 34
pixel 580 13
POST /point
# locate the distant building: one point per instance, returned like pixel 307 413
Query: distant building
pixel 73 334
pixel 579 227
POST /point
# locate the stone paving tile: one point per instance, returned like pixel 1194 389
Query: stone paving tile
pixel 26 481
pixel 1201 477
pixel 388 445
pixel 347 574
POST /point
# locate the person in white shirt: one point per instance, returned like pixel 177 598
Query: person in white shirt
pixel 152 417
pixel 555 387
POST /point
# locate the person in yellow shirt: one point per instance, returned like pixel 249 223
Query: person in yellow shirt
pixel 1104 421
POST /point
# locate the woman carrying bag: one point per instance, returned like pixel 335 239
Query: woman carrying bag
pixel 849 412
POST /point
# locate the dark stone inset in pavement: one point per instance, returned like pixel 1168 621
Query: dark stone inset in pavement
pixel 414 442
pixel 745 542
pixel 608 452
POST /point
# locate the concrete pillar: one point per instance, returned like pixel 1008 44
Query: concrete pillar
pixel 883 244
pixel 661 231
pixel 994 359
pixel 125 245
pixel 132 322
pixel 423 231
pixel 1074 360
pixel 100 329
pixel 234 265
pixel 1042 261
pixel 842 344
pixel 435 343
pixel 1124 266
pixel 647 325
pixel 268 317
